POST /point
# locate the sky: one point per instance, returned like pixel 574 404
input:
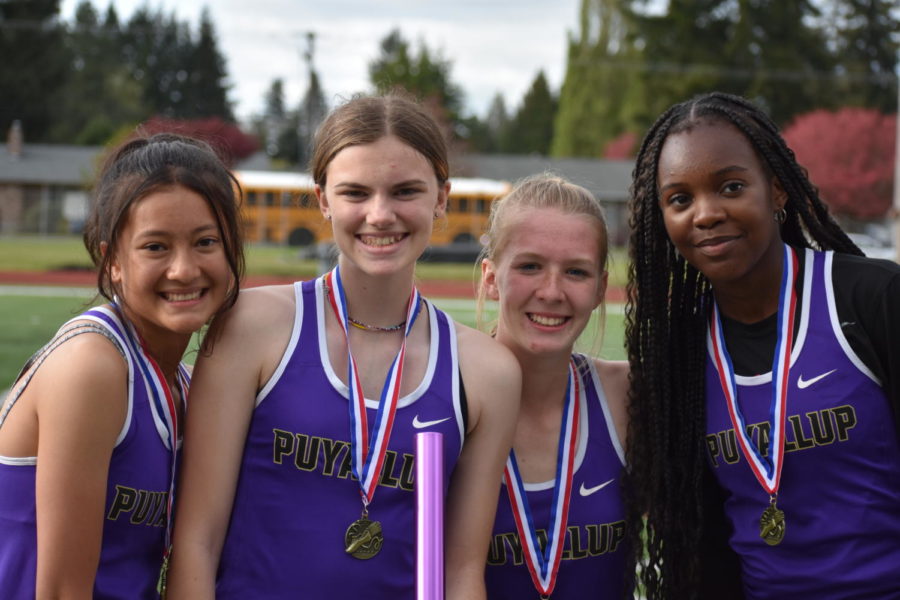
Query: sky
pixel 495 46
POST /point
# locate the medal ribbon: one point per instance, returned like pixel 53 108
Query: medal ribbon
pixel 766 467
pixel 543 565
pixel 164 406
pixel 366 461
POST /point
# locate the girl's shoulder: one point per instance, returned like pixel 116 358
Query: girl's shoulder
pixel 259 306
pixel 489 370
pixel 484 349
pixel 614 377
pixel 613 373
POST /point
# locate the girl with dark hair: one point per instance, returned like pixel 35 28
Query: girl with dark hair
pixel 765 372
pixel 562 477
pixel 90 429
pixel 300 444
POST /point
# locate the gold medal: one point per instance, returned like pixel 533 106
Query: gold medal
pixel 772 525
pixel 163 575
pixel 364 538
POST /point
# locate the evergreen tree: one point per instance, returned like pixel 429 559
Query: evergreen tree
pixel 497 121
pixel 867 41
pixel 781 59
pixel 33 65
pixel 312 112
pixel 531 130
pixel 207 89
pixel 424 75
pixel 100 97
pixel 274 119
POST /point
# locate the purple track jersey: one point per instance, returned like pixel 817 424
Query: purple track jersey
pixel 840 485
pixel 593 558
pixel 296 496
pixel 137 490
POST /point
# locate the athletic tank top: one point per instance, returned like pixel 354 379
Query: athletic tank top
pixel 593 558
pixel 137 490
pixel 840 483
pixel 296 495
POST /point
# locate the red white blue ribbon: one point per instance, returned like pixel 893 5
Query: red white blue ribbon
pixel 766 465
pixel 163 405
pixel 366 461
pixel 543 564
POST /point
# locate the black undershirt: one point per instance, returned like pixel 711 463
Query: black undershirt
pixel 867 297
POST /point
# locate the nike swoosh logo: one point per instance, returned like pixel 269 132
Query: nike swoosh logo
pixel 588 491
pixel 805 383
pixel 423 424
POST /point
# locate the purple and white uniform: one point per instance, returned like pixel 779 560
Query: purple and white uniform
pixel 137 490
pixel 594 554
pixel 296 496
pixel 840 484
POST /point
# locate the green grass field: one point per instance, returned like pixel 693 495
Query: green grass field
pixel 28 321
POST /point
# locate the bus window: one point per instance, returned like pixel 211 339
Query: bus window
pixel 463 205
pixel 306 201
pixel 251 198
pixel 480 206
pixel 286 199
pixel 270 198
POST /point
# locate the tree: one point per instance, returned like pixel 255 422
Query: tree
pixel 781 58
pixel 488 135
pixel 207 89
pixel 601 94
pixel 33 65
pixel 623 147
pixel 425 75
pixel 99 94
pixel 179 79
pixel 274 118
pixel 229 141
pixel 865 37
pixel 531 130
pixel 850 157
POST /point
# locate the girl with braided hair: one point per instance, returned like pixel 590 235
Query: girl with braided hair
pixel 765 376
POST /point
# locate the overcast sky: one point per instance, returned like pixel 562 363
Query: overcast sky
pixel 494 45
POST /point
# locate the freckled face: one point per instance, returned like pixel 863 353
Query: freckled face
pixel 169 266
pixel 718 204
pixel 548 279
pixel 382 199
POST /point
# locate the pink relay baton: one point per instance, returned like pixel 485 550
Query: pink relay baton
pixel 429 516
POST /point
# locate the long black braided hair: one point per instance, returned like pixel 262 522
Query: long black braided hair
pixel 665 330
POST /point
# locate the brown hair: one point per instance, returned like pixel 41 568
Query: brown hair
pixel 148 164
pixel 366 119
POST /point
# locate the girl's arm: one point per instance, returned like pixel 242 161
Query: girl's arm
pixel 251 337
pixel 80 400
pixel 493 382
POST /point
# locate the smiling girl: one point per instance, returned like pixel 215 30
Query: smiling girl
pixel 90 429
pixel 300 444
pixel 546 266
pixel 765 369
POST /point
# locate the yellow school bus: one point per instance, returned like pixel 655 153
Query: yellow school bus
pixel 281 208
